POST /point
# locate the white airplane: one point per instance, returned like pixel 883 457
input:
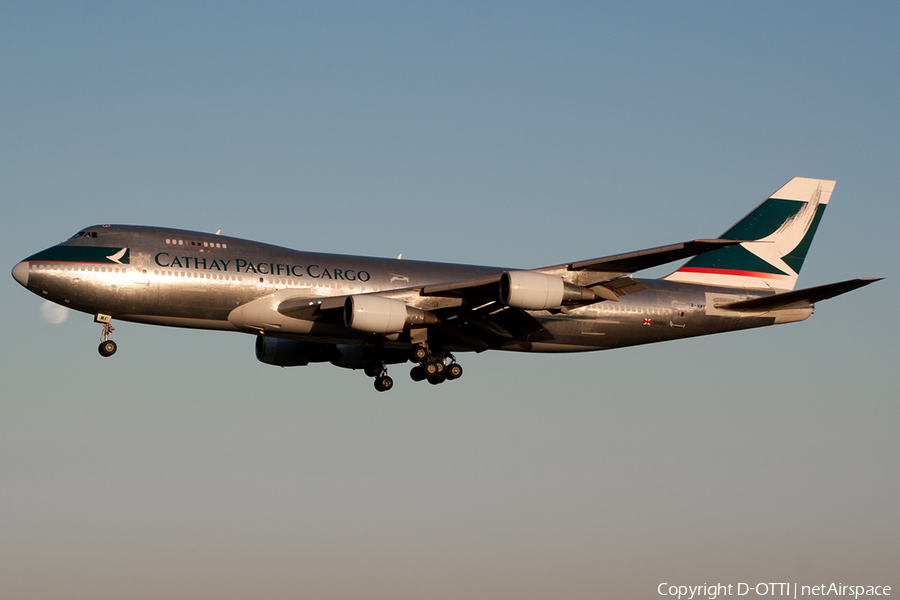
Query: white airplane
pixel 367 313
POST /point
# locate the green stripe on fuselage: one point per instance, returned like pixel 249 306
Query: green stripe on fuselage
pixel 80 254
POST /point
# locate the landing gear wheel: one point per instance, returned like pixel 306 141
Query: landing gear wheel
pixel 107 348
pixel 420 354
pixel 384 383
pixel 436 379
pixel 454 371
pixel 430 369
pixel 373 370
pixel 418 373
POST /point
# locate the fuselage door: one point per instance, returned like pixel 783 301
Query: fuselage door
pixel 679 314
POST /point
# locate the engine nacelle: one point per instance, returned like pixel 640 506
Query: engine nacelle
pixel 537 291
pixel 377 314
pixel 293 353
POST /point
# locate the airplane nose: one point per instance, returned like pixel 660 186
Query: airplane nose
pixel 20 273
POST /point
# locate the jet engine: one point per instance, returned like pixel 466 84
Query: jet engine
pixel 377 314
pixel 537 291
pixel 293 353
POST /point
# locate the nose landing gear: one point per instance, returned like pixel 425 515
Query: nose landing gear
pixel 107 346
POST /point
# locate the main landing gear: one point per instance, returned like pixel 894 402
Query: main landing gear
pixel 433 366
pixel 107 346
pixel 382 381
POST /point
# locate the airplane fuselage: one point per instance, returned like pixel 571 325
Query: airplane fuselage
pixel 367 313
pixel 205 281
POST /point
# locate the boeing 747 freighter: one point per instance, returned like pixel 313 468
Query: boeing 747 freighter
pixel 368 313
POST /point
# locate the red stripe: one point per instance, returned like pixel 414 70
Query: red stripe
pixel 732 272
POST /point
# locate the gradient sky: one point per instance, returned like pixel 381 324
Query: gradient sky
pixel 517 134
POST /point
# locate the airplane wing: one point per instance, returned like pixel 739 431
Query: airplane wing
pixel 605 271
pixel 797 298
pixel 470 311
pixel 623 264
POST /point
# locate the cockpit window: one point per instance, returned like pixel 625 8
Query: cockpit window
pixel 85 233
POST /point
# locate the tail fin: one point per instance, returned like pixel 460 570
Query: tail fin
pixel 780 231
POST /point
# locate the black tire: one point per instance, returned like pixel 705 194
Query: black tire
pixel 383 384
pixel 430 369
pixel 107 348
pixel 372 370
pixel 454 371
pixel 417 373
pixel 436 379
pixel 420 354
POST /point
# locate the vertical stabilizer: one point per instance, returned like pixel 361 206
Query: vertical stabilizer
pixel 781 230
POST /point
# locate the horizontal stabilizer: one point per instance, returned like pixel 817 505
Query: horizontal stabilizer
pixel 798 298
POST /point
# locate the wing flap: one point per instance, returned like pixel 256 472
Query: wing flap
pixel 482 287
pixel 619 287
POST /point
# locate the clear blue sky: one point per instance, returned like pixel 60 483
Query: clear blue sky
pixel 519 134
